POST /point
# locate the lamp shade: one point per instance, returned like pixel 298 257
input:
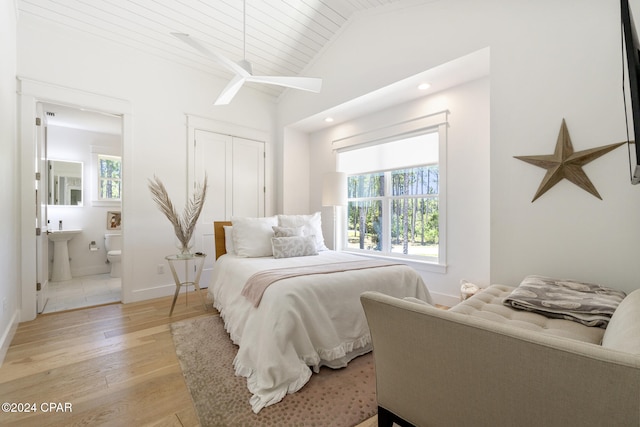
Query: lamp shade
pixel 334 189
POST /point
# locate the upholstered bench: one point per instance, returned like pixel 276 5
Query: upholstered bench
pixel 482 363
pixel 487 304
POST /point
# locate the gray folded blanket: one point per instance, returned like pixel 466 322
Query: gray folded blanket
pixel 585 303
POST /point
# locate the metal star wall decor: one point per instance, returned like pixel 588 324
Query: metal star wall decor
pixel 564 163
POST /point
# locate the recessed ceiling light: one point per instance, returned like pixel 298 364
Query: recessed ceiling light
pixel 424 86
pixel 328 119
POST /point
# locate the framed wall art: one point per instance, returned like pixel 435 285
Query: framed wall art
pixel 114 220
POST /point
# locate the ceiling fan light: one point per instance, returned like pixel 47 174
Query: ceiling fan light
pixel 246 65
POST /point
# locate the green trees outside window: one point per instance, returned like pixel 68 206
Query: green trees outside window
pixel 109 177
pixel 395 211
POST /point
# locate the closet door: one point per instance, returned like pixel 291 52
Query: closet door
pixel 248 178
pixel 211 154
pixel 235 176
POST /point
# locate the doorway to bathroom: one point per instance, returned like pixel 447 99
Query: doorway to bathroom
pixel 82 191
pixel 33 171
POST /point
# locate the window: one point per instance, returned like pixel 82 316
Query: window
pixel 394 197
pixel 408 198
pixel 109 177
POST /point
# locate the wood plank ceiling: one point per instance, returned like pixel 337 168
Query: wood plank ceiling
pixel 282 36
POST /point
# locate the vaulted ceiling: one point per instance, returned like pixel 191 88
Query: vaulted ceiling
pixel 282 36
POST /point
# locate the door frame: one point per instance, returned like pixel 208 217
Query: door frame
pixel 30 93
pixel 42 183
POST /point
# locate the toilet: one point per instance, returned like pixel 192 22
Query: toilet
pixel 113 245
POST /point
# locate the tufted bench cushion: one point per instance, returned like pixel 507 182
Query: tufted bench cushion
pixel 487 304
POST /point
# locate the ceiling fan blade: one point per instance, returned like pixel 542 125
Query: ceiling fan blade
pixel 225 62
pixel 311 84
pixel 230 90
pixel 242 71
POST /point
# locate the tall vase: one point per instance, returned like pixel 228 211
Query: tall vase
pixel 185 251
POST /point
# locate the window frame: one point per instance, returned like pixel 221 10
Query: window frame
pixel 436 122
pixel 96 153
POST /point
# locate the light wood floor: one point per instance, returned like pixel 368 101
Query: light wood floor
pixel 113 364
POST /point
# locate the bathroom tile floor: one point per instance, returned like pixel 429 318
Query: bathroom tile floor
pixel 82 291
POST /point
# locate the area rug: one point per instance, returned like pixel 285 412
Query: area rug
pixel 332 397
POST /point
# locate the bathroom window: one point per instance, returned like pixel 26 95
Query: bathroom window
pixel 109 178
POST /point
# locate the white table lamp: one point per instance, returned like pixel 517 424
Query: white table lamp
pixel 334 193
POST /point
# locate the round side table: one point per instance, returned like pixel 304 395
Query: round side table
pixel 198 258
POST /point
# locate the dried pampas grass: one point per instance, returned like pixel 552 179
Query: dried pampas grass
pixel 183 225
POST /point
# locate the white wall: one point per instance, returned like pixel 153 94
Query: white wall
pixel 9 171
pixel 75 145
pixel 295 173
pixel 160 94
pixel 549 60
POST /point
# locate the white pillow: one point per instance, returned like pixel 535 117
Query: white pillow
pixel 252 236
pixel 287 247
pixel 623 330
pixel 312 226
pixel 228 239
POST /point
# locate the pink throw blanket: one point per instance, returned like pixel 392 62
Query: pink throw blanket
pixel 259 282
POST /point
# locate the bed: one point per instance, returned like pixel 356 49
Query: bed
pixel 300 321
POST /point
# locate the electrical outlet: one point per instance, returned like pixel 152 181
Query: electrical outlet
pixel 160 268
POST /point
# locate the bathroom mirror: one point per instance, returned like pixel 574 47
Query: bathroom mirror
pixel 65 183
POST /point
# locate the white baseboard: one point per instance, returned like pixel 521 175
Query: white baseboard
pixel 155 292
pixel 8 335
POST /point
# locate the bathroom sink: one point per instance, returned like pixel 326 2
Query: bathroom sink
pixel 61 267
pixel 62 235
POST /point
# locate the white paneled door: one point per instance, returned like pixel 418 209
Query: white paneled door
pixel 247 178
pixel 235 172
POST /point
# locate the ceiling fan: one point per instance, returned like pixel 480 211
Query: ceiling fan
pixel 243 71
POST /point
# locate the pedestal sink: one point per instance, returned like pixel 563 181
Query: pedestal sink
pixel 61 268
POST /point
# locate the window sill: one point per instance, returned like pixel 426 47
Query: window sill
pixel 106 203
pixel 426 266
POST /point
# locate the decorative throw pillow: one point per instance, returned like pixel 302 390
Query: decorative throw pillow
pixel 312 226
pixel 287 231
pixel 252 236
pixel 287 247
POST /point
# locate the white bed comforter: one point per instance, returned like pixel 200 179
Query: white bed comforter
pixel 301 322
